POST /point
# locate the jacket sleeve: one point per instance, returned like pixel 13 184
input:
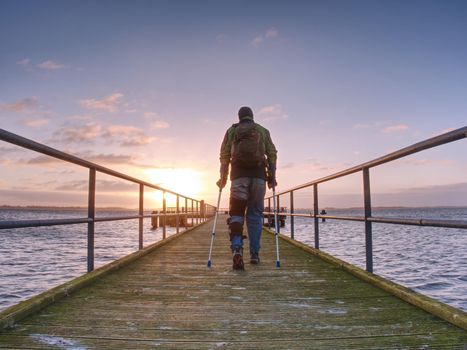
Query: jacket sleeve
pixel 226 148
pixel 271 151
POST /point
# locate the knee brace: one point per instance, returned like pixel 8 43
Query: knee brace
pixel 237 206
pixel 236 229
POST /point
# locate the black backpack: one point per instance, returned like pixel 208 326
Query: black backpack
pixel 247 148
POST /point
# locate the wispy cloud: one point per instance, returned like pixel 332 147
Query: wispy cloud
pixel 272 33
pixel 269 34
pixel 257 40
pixel 82 117
pixel 14 149
pixel 272 113
pixel 116 186
pixel 25 62
pixel 127 135
pixel 100 158
pixel 107 158
pixel 77 134
pixel 160 124
pixel 31 107
pixel 45 65
pixel 150 115
pixel 23 105
pixel 156 121
pixel 51 65
pixel 107 104
pixel 8 155
pixel 101 186
pixel 40 160
pixel 124 135
pixel 395 128
pixel 313 164
pixel 312 168
pixel 35 123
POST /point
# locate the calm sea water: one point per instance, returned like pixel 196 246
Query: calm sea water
pixel 432 261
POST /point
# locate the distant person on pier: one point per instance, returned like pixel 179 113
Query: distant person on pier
pixel 248 148
pixel 323 212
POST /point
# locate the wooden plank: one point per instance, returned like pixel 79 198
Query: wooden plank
pixel 169 299
pixel 412 342
pixel 446 312
pixel 28 307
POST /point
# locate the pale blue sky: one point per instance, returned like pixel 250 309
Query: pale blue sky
pixel 141 84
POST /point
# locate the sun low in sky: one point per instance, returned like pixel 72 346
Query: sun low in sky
pixel 149 88
pixel 184 181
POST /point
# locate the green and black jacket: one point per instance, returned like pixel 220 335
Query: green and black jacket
pixel 237 171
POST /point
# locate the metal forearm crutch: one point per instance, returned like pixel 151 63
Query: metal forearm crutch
pixel 213 234
pixel 278 261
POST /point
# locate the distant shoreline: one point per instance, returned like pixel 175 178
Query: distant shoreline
pixel 401 207
pixel 45 207
pixel 64 208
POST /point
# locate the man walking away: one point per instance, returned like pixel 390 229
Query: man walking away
pixel 248 147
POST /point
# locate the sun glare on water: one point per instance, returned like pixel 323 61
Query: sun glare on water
pixel 183 181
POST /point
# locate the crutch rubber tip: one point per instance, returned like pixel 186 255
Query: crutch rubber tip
pixel 209 263
pixel 278 264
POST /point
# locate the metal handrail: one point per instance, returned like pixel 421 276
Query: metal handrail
pixel 202 213
pixel 368 219
pixel 401 221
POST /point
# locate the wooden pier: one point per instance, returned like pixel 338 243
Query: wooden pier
pixel 169 299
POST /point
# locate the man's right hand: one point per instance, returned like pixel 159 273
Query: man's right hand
pixel 224 172
pixel 221 182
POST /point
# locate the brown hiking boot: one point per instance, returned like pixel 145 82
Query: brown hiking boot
pixel 254 258
pixel 238 260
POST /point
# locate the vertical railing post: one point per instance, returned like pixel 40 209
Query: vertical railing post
pixel 197 213
pixel 269 215
pixel 141 213
pixel 315 213
pixel 202 210
pixel 292 221
pixel 278 225
pixel 178 213
pixel 164 212
pixel 368 226
pixel 186 213
pixel 92 216
pixel 191 215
